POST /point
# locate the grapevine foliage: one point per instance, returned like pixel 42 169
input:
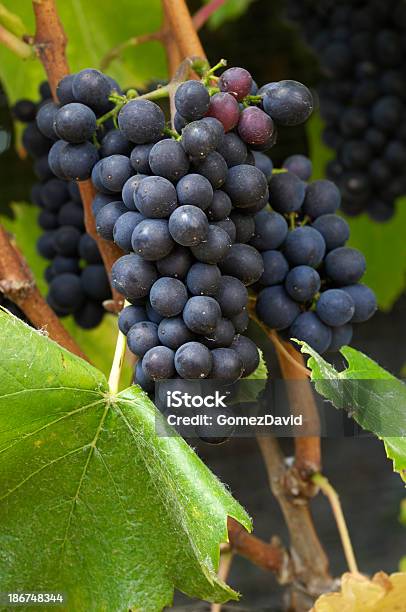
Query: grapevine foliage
pixel 375 399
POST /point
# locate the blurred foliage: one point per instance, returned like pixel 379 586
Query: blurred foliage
pixel 93 28
pixel 12 22
pixel 99 343
pixel 383 245
pixel 402 512
pixel 231 9
pixel 319 153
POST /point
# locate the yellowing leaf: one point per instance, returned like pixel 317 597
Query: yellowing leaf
pixel 382 593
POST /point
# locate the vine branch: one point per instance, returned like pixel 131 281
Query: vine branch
pixel 183 30
pixel 50 44
pixel 205 12
pixel 301 399
pixel 309 561
pixel 18 285
pixel 272 557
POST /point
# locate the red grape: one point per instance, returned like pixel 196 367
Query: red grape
pixel 255 127
pixel 237 82
pixel 224 107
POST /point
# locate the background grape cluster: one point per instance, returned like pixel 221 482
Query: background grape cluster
pixel 78 283
pixel 360 45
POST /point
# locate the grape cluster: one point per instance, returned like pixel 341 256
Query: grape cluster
pixel 360 46
pixel 181 204
pixel 310 287
pixel 76 276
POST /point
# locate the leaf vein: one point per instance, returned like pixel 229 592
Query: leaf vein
pixel 45 389
pixel 93 445
pixel 65 416
pixel 43 467
pixel 162 490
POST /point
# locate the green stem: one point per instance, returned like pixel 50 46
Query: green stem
pixel 278 170
pixel 292 220
pixel 15 44
pixel 221 64
pixel 157 94
pixel 314 301
pixel 112 113
pixel 306 220
pixel 131 94
pixel 118 360
pixel 252 100
pixel 12 22
pixel 172 133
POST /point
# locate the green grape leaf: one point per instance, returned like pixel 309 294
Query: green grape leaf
pixel 385 275
pixel 93 502
pixel 247 392
pixel 261 373
pixel 377 402
pixel 92 28
pixel 231 9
